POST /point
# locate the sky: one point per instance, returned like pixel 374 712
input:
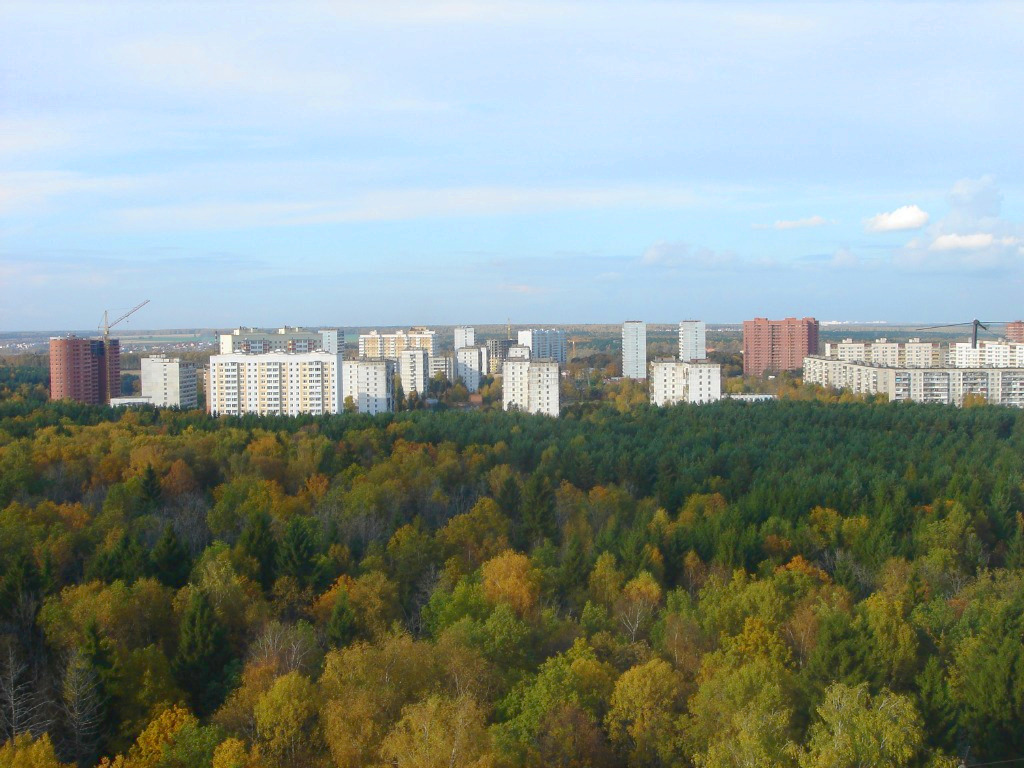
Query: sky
pixel 396 163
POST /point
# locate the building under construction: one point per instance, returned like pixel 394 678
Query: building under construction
pixel 85 370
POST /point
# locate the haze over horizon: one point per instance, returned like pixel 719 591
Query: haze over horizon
pixel 403 163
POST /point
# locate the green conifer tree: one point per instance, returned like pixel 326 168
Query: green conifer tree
pixel 202 655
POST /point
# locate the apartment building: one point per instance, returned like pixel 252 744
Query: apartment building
pixel 169 383
pixel 497 350
pixel 465 336
pixel 388 346
pixel 274 383
pixel 414 371
pixel 531 386
pixel 778 345
pixel 253 341
pixel 471 366
pixel 634 349
pixel 691 381
pixel 544 344
pixel 85 370
pixel 693 343
pixel 370 385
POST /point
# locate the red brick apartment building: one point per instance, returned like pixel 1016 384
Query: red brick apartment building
pixel 85 370
pixel 778 345
pixel 1015 331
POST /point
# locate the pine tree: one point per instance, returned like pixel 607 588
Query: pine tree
pixel 202 655
pixel 169 562
pixel 257 541
pixel 151 490
pixel 295 557
pixel 341 627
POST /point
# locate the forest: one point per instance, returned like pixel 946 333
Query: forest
pixel 792 583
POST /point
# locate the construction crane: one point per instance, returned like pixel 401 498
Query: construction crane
pixel 107 325
pixel 976 324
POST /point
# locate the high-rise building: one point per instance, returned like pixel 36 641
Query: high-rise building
pixel 693 343
pixel 677 381
pixel 471 366
pixel 414 370
pixel 169 382
pixel 441 365
pixel 530 385
pixel 634 349
pixel 274 383
pixel 1015 331
pixel 370 384
pixel 778 345
pixel 465 336
pixel 84 370
pixel 497 350
pixel 253 341
pixel 389 346
pixel 544 344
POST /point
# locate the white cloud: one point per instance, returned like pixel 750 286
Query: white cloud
pixel 905 217
pixel 976 198
pixel 813 221
pixel 973 242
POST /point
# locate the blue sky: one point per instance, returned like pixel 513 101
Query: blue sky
pixel 357 163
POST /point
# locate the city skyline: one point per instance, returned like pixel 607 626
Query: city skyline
pixel 554 162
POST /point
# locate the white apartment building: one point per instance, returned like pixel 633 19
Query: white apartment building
pixel 471 366
pixel 278 383
pixel 169 383
pixel 634 349
pixel 988 354
pixel 370 384
pixel 441 364
pixel 945 385
pixel 389 346
pixel 530 386
pixel 677 381
pixel 465 336
pixel 414 370
pixel 546 344
pixel 693 344
pixel 254 341
pixel 912 354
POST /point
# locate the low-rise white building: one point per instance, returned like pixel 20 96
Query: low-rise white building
pixel 169 382
pixel 531 386
pixel 370 384
pixel 278 383
pixel 677 381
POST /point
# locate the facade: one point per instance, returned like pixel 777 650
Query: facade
pixel 545 344
pixel 676 381
pixel 693 343
pixel 414 370
pixel 443 365
pixel 253 341
pixel 634 349
pixel 388 346
pixel 778 345
pixel 914 353
pixel 1015 331
pixel 471 366
pixel 85 370
pixel 530 386
pixel 274 383
pixel 169 383
pixel 497 350
pixel 465 336
pixel 370 384
pixel 988 354
pixel 947 385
